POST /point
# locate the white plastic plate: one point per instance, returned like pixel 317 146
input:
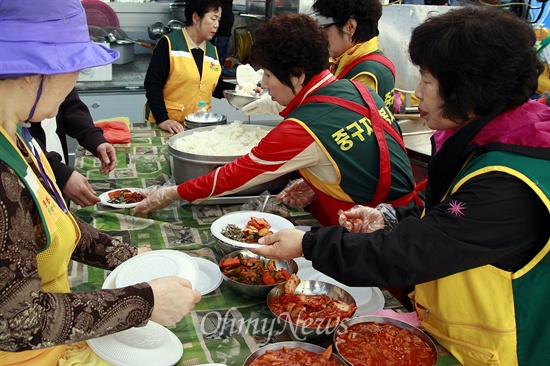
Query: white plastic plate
pixel 240 219
pixel 104 197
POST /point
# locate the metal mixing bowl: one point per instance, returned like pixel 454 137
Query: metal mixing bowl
pixel 211 119
pixel 238 101
pixel 186 166
pixel 309 288
pixel 257 290
pixel 306 346
pixel 381 320
pixel 227 248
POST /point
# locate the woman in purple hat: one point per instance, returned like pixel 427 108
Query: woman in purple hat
pixel 41 321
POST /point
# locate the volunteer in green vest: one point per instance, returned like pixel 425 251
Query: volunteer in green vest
pixel 479 253
pixel 41 321
pixel 337 134
pixel 352 31
pixel 185 68
pixel 351 27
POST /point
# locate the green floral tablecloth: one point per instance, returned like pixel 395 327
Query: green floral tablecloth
pixel 224 327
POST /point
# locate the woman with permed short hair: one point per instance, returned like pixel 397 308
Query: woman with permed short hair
pixel 337 134
pixel 185 68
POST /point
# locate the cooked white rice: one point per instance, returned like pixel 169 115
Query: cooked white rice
pixel 224 140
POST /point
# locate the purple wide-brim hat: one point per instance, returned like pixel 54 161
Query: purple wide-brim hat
pixel 40 37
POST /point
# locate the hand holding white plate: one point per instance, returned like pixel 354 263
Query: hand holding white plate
pixel 240 219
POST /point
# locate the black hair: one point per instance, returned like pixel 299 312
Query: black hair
pixel 482 57
pixel 201 7
pixel 289 45
pixel 365 12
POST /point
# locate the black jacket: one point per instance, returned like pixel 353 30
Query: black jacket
pixel 506 225
pixel 73 119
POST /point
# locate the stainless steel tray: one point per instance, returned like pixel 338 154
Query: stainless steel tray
pixel 227 200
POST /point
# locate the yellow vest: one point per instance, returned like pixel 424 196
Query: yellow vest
pixel 487 315
pixel 184 87
pixel 62 234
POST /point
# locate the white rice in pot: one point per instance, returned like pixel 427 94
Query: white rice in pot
pixel 224 140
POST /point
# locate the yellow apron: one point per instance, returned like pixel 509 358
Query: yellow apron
pixel 62 234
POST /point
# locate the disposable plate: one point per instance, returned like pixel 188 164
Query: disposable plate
pixel 210 276
pixel 152 344
pixel 240 219
pixel 104 197
pixel 150 265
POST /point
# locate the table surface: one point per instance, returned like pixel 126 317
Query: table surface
pixel 143 163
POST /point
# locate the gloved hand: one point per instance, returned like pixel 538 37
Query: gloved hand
pixel 361 219
pixel 297 194
pixel 156 199
pixel 263 105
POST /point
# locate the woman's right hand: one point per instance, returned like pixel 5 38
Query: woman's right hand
pixel 174 299
pixel 298 194
pixel 156 199
pixel 171 126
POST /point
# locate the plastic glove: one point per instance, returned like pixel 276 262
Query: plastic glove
pixel 263 105
pixel 361 219
pixel 297 194
pixel 156 199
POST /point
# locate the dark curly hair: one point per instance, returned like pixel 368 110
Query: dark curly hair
pixel 289 45
pixel 483 58
pixel 201 7
pixel 366 12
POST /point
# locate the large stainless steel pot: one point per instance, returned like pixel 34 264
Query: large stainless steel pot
pixel 186 166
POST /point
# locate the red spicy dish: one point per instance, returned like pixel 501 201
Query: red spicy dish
pixel 125 196
pixel 313 311
pixel 371 343
pixel 253 271
pixel 295 356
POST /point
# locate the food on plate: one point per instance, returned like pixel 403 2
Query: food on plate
pixel 125 196
pixel 295 356
pixel 253 271
pixel 383 344
pixel 318 311
pixel 255 229
pixel 224 140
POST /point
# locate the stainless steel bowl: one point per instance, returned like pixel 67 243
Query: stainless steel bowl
pixel 257 290
pixel 238 101
pixel 227 248
pixel 382 320
pixel 309 288
pixel 211 119
pixel 186 166
pixel 276 346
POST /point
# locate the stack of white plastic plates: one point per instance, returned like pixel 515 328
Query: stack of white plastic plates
pixel 152 344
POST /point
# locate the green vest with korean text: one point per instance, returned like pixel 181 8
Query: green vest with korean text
pixel 348 140
pixel 384 77
pixel 487 315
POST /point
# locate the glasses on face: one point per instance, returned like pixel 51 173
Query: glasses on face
pixel 326 26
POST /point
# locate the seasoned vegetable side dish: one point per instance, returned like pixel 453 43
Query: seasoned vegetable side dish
pixel 125 196
pixel 253 271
